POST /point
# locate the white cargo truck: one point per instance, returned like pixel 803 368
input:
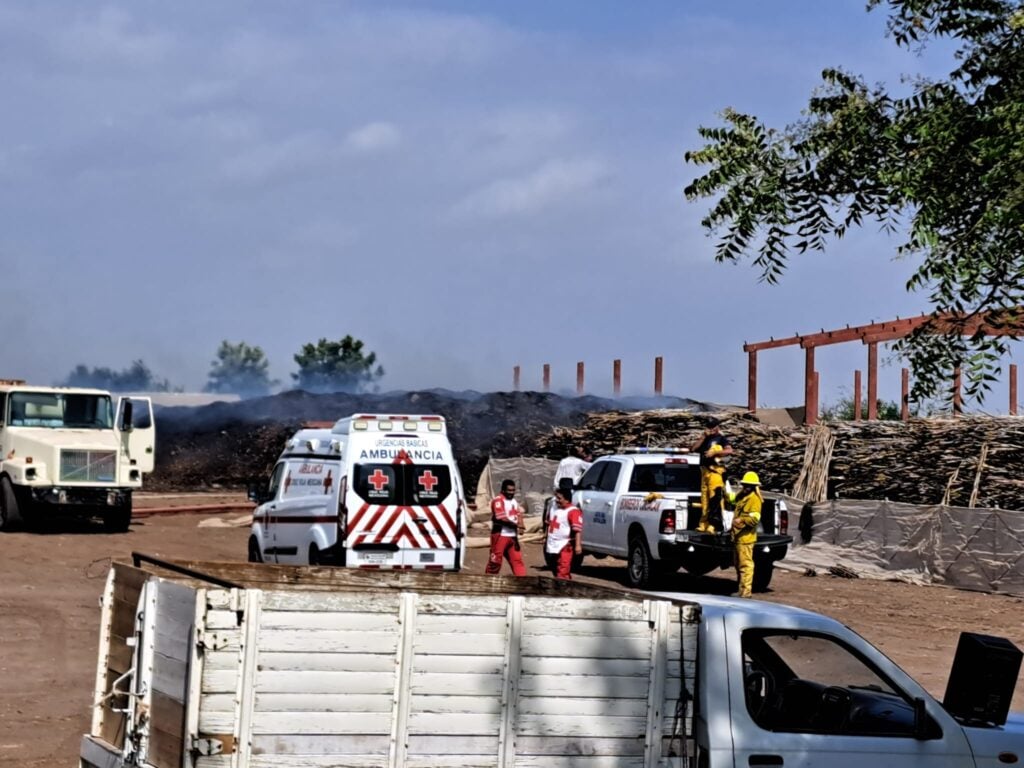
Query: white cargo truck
pixel 218 665
pixel 68 451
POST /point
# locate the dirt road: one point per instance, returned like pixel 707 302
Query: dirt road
pixel 49 616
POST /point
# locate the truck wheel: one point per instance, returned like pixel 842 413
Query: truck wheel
pixel 255 556
pixel 118 519
pixel 639 567
pixel 314 555
pixel 763 575
pixel 10 514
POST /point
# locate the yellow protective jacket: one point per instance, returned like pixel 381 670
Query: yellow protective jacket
pixel 746 517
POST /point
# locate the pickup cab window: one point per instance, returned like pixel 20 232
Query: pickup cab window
pixel 809 683
pixel 610 477
pixel 592 478
pixel 665 478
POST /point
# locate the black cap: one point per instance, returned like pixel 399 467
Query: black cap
pixel 713 422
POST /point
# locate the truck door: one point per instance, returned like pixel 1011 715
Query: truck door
pixel 804 698
pixel 138 433
pixel 268 513
pixel 597 502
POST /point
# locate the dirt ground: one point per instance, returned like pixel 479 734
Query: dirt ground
pixel 50 586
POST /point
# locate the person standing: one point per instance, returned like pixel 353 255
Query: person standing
pixel 712 514
pixel 565 534
pixel 746 517
pixel 506 524
pixel 573 467
pixel 712 437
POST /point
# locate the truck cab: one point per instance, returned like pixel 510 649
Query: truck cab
pixel 71 451
pixel 643 505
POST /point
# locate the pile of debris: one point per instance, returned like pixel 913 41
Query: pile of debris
pixel 229 445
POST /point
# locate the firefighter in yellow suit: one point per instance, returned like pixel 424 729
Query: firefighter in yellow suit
pixel 713 506
pixel 746 516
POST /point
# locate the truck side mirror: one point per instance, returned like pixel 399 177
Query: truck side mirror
pixel 922 723
pixel 126 416
pixel 255 493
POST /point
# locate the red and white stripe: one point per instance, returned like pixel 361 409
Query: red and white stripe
pixel 400 525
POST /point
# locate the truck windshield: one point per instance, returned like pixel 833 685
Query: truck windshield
pixel 57 410
pixel 665 478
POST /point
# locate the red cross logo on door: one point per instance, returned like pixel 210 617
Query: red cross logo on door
pixel 379 480
pixel 428 481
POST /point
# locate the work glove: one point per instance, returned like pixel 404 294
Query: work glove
pixel 652 497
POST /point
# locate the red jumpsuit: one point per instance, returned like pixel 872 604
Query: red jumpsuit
pixel 505 517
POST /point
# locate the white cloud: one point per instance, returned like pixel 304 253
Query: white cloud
pixel 555 182
pixel 373 137
pixel 113 35
pixel 273 160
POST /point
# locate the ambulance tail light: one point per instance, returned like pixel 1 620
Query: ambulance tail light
pixel 783 520
pixel 668 521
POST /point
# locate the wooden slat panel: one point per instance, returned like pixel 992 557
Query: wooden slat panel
pixel 451 761
pixel 330 601
pixel 320 761
pixel 592 747
pixel 584 609
pixel 599 628
pixel 324 702
pixel 327 641
pixel 218 721
pixel 431 744
pixel 463 606
pixel 325 682
pixel 127 585
pixel 449 624
pixel 587 647
pixel 350 621
pixel 462 725
pixel 221 619
pixel 581 726
pixel 463 645
pixel 218 599
pixel 542 665
pixel 455 684
pixel 220 660
pixel 575 761
pixel 166 732
pixel 598 687
pixel 469 665
pixel 220 680
pixel 548 705
pixel 321 722
pixel 123 618
pixel 327 662
pixel 214 761
pixel 336 746
pixel 481 705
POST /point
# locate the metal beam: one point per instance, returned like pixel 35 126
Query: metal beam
pixel 752 381
pixel 872 382
pixel 856 396
pixel 810 404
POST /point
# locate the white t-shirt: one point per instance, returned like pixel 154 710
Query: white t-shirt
pixel 573 468
pixel 561 524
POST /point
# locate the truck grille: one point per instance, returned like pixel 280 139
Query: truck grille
pixel 87 466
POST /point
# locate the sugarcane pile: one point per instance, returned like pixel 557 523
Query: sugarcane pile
pixel 969 461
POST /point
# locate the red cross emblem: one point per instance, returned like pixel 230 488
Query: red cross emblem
pixel 428 481
pixel 379 480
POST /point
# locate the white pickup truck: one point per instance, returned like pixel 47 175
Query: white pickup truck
pixel 659 536
pixel 218 665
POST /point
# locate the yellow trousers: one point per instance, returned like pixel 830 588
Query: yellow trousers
pixel 744 560
pixel 705 500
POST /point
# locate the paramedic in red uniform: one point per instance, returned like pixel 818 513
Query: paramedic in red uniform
pixel 565 534
pixel 506 523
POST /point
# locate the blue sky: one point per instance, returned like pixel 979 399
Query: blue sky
pixel 465 186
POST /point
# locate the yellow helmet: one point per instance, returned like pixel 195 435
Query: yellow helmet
pixel 715 449
pixel 750 478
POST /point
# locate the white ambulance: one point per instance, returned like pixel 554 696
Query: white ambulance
pixel 373 491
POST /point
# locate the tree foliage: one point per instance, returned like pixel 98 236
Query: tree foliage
pixel 842 409
pixel 944 164
pixel 336 366
pixel 241 369
pixel 137 377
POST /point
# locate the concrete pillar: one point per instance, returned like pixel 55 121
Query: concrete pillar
pixel 617 377
pixel 872 381
pixel 515 378
pixel 579 378
pixel 752 381
pixel 657 375
pixel 810 403
pixel 1013 389
pixel 547 377
pixel 856 396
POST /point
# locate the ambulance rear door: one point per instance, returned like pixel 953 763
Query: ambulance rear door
pixel 433 538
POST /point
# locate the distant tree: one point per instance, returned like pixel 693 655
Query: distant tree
pixel 137 377
pixel 240 369
pixel 336 366
pixel 842 410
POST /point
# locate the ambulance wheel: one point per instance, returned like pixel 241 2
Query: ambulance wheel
pixel 640 570
pixel 763 572
pixel 10 514
pixel 255 556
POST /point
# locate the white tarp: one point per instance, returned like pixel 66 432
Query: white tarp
pixel 534 480
pixel 980 549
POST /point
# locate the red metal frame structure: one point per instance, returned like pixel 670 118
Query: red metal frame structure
pixel 1006 323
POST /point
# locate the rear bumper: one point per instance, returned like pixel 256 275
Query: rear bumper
pixel 688 545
